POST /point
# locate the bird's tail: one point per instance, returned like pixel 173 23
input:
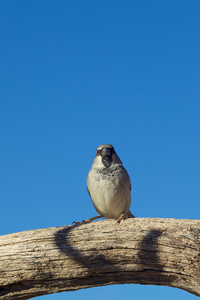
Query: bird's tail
pixel 130 215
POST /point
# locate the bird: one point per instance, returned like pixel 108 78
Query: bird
pixel 109 186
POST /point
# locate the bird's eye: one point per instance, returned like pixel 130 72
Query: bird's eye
pixel 98 152
pixel 112 150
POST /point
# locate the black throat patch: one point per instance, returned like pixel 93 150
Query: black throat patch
pixel 107 160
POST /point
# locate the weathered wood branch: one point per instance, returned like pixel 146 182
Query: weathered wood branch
pixel 146 251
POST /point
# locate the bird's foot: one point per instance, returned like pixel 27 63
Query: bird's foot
pixel 79 223
pixel 87 221
pixel 122 217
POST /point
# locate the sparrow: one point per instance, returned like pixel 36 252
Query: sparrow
pixel 109 186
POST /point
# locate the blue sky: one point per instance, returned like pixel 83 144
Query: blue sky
pixel 78 74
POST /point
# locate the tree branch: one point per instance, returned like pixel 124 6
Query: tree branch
pixel 146 251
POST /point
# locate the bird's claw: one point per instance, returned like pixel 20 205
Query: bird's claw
pixel 78 223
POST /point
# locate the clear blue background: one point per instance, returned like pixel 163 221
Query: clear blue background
pixel 77 74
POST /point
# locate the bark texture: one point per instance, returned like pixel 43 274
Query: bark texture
pixel 146 251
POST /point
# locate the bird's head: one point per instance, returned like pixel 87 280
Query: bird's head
pixel 106 157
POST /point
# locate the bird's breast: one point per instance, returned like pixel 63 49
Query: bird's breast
pixel 110 192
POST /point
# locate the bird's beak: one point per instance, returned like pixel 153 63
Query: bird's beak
pixel 106 151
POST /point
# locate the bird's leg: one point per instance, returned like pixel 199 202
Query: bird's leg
pixel 87 221
pixel 122 217
pixel 92 219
